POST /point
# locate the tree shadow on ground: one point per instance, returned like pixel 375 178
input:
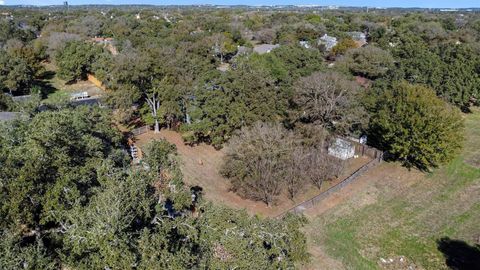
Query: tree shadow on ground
pixel 47 75
pixel 45 88
pixel 459 255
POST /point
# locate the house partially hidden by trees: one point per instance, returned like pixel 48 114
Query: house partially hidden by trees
pixel 359 38
pixel 243 50
pixel 305 44
pixel 107 43
pixel 327 42
pixel 265 48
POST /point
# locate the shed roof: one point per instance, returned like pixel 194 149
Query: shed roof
pixel 265 48
pixel 21 98
pixel 7 116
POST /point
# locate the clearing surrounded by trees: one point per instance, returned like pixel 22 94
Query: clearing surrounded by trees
pixel 201 167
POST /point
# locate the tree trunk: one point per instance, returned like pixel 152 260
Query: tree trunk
pixel 157 126
pixel 154 105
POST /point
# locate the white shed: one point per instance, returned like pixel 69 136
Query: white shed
pixel 341 149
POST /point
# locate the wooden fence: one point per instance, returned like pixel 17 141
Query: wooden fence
pixel 299 208
pixel 91 78
pixel 364 150
pixel 140 130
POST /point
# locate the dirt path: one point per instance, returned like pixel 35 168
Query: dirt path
pixel 201 165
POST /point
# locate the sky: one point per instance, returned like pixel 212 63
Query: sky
pixel 372 3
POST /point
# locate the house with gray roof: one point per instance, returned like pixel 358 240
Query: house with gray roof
pixel 328 42
pixel 8 116
pixel 265 48
pixel 341 149
pixel 359 38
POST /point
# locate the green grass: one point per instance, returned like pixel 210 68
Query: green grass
pixel 59 90
pixel 341 244
pixel 472 135
pixel 57 97
pixel 408 221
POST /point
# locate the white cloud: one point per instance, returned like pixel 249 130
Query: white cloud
pixel 2 2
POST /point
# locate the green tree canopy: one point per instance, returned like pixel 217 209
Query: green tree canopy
pixel 19 67
pixel 416 127
pixel 75 59
pixel 49 162
pixel 69 198
pixel 370 62
pixel 237 98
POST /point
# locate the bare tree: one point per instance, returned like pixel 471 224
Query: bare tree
pixel 322 167
pixel 296 171
pixel 266 159
pixel 266 35
pixel 266 183
pixel 329 100
pixel 256 159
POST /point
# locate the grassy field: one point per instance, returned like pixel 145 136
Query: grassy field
pixel 407 219
pixel 58 89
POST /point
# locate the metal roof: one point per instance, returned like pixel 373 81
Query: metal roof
pixel 265 48
pixel 7 116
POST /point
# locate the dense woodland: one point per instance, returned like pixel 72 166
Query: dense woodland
pixel 69 196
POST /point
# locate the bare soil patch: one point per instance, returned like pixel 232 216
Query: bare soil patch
pixel 364 192
pixel 201 165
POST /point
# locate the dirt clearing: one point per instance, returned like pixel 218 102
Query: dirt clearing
pixel 201 165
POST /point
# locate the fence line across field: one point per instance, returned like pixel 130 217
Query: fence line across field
pixel 310 203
